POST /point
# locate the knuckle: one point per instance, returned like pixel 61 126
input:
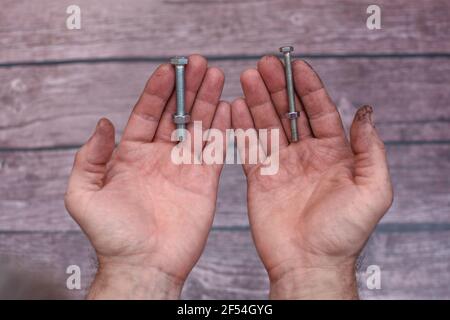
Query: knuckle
pixel 78 156
pixel 381 145
pixel 387 194
pixel 67 200
pixel 390 195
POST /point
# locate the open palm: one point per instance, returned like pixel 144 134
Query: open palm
pixel 134 203
pixel 319 209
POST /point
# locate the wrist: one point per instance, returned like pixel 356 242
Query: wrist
pixel 324 282
pixel 133 282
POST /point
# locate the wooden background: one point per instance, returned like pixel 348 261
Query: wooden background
pixel 55 83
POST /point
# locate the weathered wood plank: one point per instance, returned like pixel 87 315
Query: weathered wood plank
pixel 33 265
pixel 413 266
pixel 59 105
pixel 159 28
pixel 32 186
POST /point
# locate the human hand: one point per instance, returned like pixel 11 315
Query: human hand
pixel 148 218
pixel 311 220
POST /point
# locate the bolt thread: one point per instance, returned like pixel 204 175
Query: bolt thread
pixel 179 74
pixel 291 94
pixel 180 90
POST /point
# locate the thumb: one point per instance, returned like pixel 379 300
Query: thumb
pixel 371 166
pixel 90 161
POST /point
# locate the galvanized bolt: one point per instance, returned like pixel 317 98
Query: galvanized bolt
pixel 292 115
pixel 180 118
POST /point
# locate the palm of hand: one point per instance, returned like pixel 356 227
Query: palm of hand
pixel 305 208
pixel 143 218
pixel 137 206
pixel 318 210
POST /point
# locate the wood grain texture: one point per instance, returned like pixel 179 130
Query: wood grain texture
pixel 32 186
pixel 58 105
pixel 217 27
pixel 230 268
pixel 38 263
pixel 413 265
pixel 56 83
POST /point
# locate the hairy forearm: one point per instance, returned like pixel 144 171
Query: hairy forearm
pixel 316 283
pixel 132 282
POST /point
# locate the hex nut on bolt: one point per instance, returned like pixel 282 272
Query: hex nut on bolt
pixel 292 115
pixel 181 119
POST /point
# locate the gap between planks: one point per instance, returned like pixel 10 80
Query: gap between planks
pixel 400 55
pixel 387 227
pixel 76 147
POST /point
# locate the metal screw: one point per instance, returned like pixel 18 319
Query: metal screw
pixel 180 118
pixel 292 115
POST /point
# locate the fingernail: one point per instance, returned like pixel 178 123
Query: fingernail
pixel 99 123
pixel 365 114
pixel 102 124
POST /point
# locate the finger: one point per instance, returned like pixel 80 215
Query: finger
pixel 261 108
pixel 194 74
pixel 248 145
pixel 216 147
pixel 371 167
pixel 273 74
pixel 90 161
pixel 371 163
pixel 144 118
pixel 323 115
pixel 207 100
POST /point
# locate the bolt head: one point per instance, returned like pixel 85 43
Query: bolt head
pixel 179 61
pixel 286 49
